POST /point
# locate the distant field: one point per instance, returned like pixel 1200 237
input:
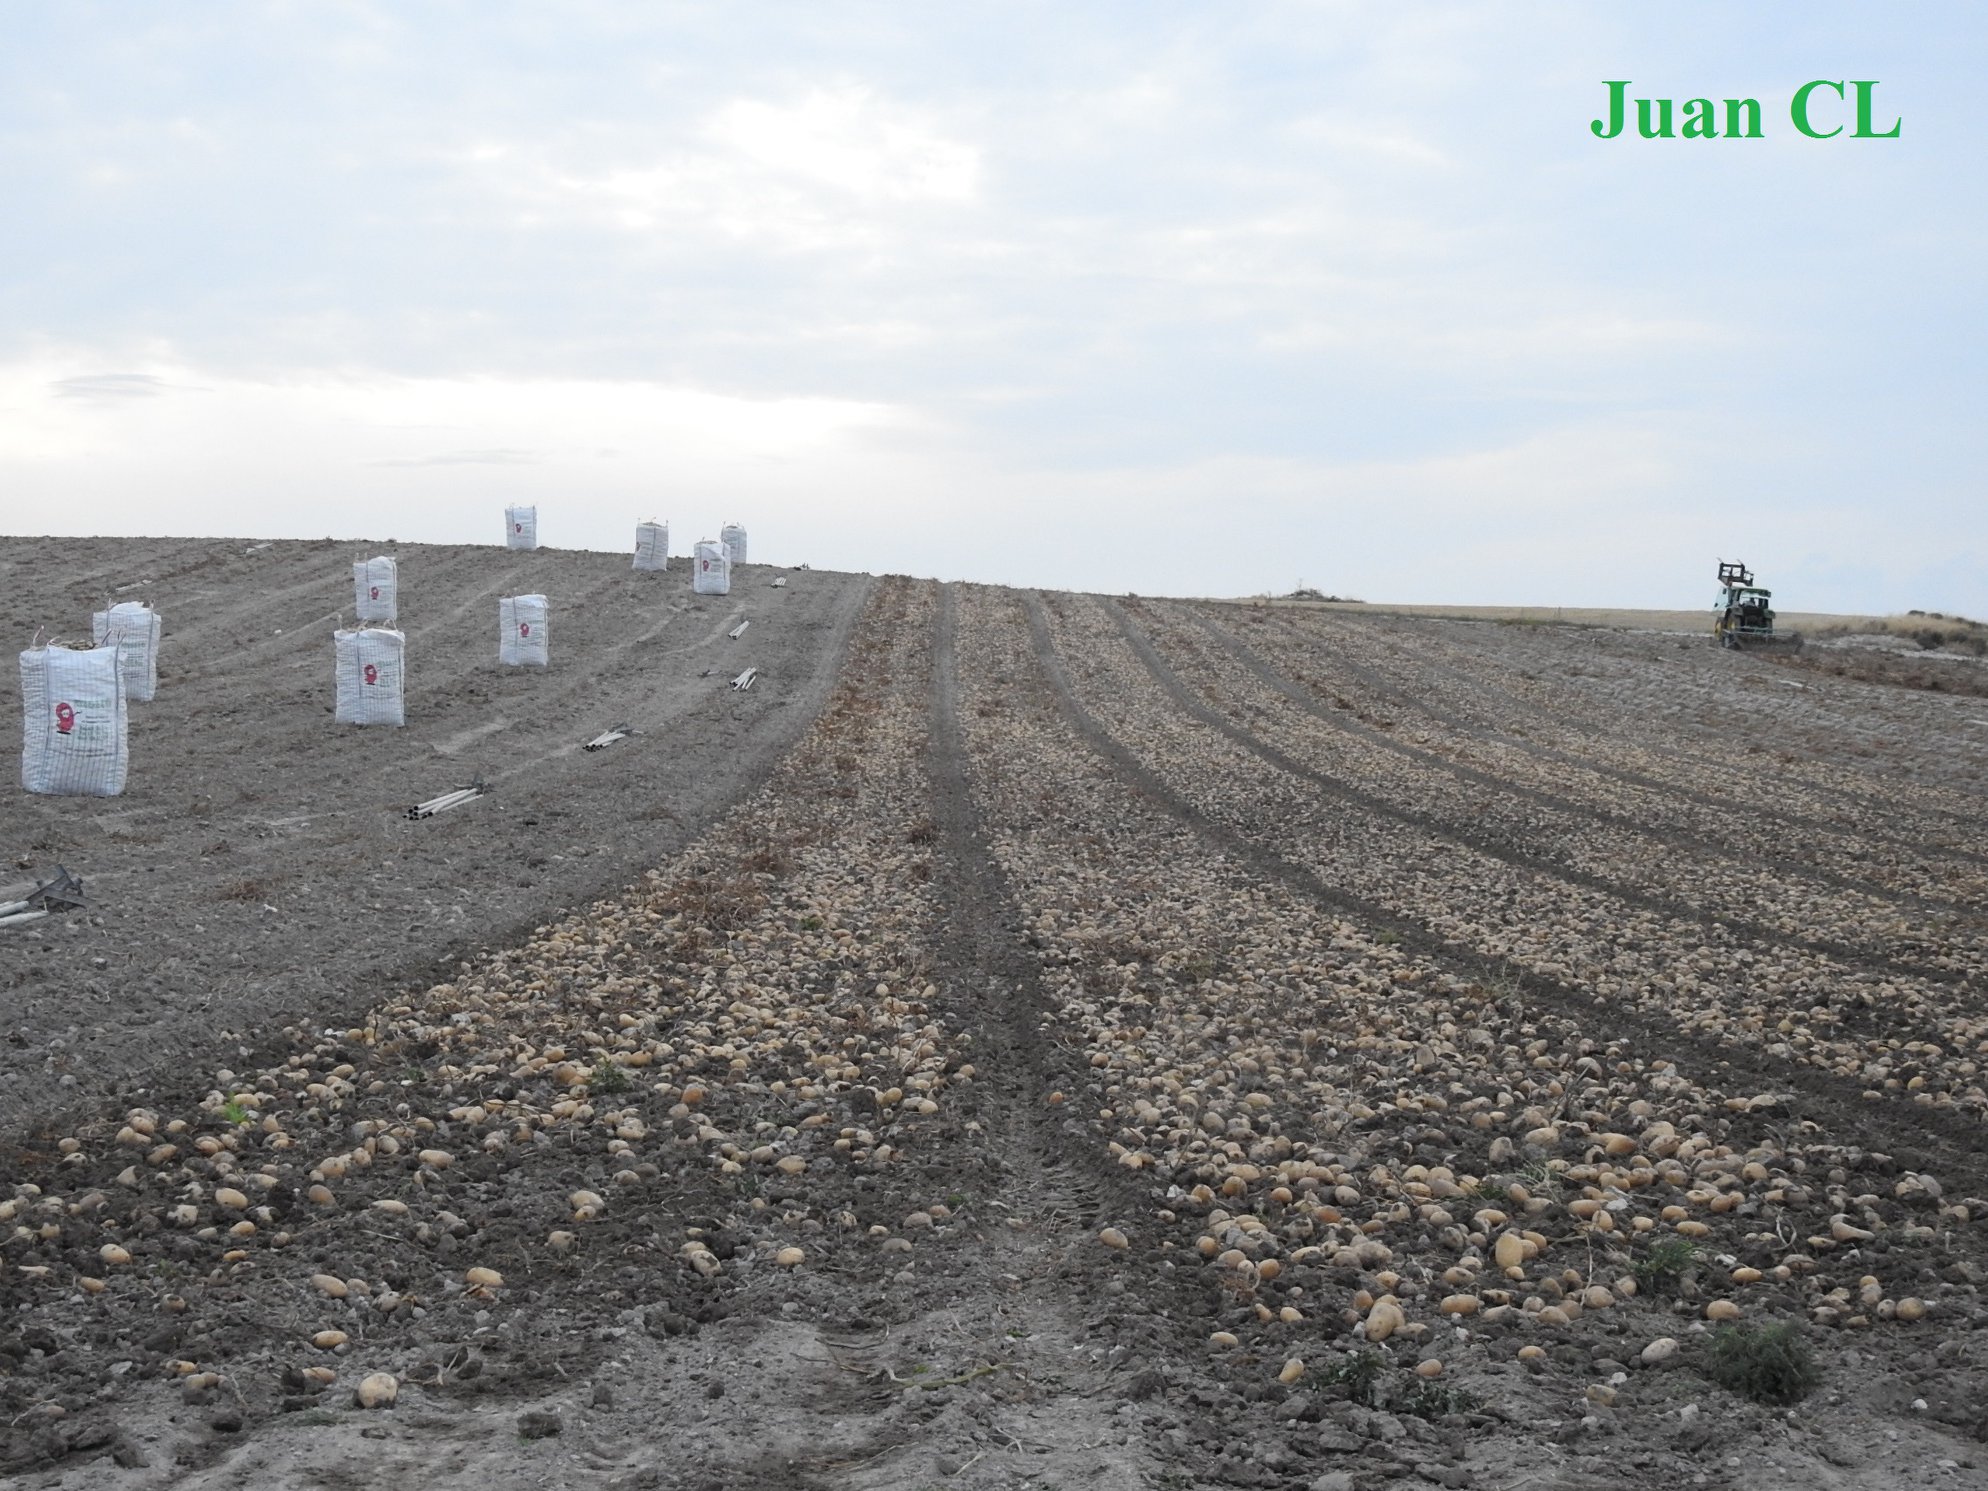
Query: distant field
pixel 1657 621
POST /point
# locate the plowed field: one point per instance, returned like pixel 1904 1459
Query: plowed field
pixel 1048 1040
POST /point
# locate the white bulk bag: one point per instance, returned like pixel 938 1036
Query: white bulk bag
pixel 521 631
pixel 376 589
pixel 371 676
pixel 733 537
pixel 711 569
pixel 652 545
pixel 521 527
pixel 133 629
pixel 74 739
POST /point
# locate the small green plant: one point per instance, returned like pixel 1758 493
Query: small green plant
pixel 1432 1400
pixel 1665 1263
pixel 1388 937
pixel 1359 1372
pixel 1769 1363
pixel 1197 967
pixel 236 1113
pixel 810 924
pixel 607 1076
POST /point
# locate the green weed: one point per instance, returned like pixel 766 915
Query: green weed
pixel 1664 1264
pixel 608 1077
pixel 1359 1372
pixel 1769 1363
pixel 1431 1400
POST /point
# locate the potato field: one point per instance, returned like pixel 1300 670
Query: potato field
pixel 1028 1040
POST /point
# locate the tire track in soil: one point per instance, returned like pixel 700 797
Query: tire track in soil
pixel 1495 848
pixel 1057 1188
pixel 1489 730
pixel 1342 720
pixel 93 586
pixel 1482 684
pixel 983 952
pixel 1919 1138
pixel 577 695
pixel 1864 1022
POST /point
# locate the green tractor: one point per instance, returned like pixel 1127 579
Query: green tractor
pixel 1742 616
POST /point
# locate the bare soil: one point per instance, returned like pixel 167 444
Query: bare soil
pixel 1934 671
pixel 1622 618
pixel 1016 1044
pixel 259 867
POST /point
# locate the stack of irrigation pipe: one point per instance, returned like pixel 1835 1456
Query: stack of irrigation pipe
pixel 608 737
pixel 447 800
pixel 62 893
pixel 745 680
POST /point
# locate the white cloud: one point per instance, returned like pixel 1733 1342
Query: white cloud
pixel 849 139
pixel 1391 146
pixel 501 457
pixel 109 386
pixel 421 458
pixel 1006 287
pixel 829 168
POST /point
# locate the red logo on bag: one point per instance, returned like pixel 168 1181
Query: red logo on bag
pixel 65 718
pixel 524 629
pixel 372 674
pixel 517 528
pixel 376 592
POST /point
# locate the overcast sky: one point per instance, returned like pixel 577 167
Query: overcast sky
pixel 1183 299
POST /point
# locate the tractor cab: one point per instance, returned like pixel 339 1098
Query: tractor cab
pixel 1742 613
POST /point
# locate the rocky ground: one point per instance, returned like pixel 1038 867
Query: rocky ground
pixel 1117 1042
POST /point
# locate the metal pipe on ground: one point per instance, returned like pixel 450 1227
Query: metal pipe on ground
pixel 446 801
